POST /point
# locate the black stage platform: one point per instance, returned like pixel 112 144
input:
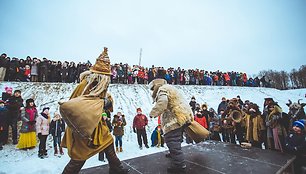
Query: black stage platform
pixel 211 157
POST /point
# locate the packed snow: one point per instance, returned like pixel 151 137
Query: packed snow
pixel 127 99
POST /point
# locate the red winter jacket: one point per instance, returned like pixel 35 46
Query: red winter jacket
pixel 140 121
pixel 202 121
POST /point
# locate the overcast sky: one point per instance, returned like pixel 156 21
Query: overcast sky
pixel 239 35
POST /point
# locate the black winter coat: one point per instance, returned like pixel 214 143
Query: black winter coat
pixel 57 127
pixel 14 104
pixel 222 106
pixel 296 144
pixel 3 116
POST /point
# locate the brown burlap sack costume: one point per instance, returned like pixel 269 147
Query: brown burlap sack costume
pixel 86 134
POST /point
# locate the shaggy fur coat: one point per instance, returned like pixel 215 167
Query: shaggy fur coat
pixel 172 107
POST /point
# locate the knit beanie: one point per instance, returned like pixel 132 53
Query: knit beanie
pixel 299 124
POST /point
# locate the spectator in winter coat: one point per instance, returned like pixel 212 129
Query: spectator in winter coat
pixel 200 119
pixel 295 143
pixel 14 105
pixel 118 123
pixel 3 117
pixel 215 124
pixel 57 127
pixel 175 115
pixel 2 66
pixel 139 126
pixel 42 130
pixel 27 139
pixel 157 137
pixel 43 70
pixel 205 113
pixel 7 94
pixel 34 70
pixel 222 105
pixel 240 102
pixel 192 104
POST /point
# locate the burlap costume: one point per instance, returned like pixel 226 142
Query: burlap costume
pixel 78 147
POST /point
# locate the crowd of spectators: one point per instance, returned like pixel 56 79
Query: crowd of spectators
pixel 36 70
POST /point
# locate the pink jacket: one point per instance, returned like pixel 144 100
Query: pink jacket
pixel 42 125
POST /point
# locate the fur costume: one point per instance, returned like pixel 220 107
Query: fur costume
pixel 171 106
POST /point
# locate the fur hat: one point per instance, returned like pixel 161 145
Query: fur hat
pixel 102 65
pixel 155 84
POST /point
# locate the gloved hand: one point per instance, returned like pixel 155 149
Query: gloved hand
pixel 134 130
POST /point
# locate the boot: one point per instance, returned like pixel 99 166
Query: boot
pixel 168 155
pixel 40 155
pixel 15 142
pixel 115 166
pixel 118 170
pixel 55 151
pixel 117 149
pixel 121 149
pixel 61 151
pixel 45 154
pixel 73 167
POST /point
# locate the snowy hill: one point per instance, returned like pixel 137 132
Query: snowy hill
pixel 128 98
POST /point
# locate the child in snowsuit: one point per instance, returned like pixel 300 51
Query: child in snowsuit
pixel 295 143
pixel 157 137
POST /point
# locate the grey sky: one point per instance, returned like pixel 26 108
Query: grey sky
pixel 239 35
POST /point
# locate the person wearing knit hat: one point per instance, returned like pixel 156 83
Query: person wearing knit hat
pixel 295 143
pixel 42 130
pixel 93 84
pixel 139 126
pixel 299 124
pixel 15 103
pixel 7 94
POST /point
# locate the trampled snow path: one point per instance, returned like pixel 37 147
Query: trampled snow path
pixel 127 98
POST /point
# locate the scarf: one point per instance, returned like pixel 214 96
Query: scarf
pixel 31 112
pixel 44 115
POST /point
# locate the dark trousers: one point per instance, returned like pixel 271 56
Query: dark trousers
pixel 215 136
pixel 142 135
pixel 188 139
pixel 118 141
pixel 173 140
pixel 42 144
pixel 1 138
pixel 13 124
pixel 228 136
pixel 74 166
pixel 57 141
pixel 101 156
pixel 239 133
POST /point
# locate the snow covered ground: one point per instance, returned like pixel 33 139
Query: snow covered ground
pixel 127 98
